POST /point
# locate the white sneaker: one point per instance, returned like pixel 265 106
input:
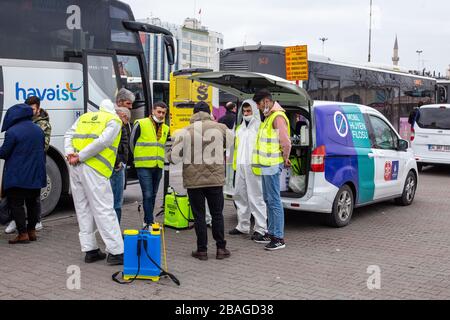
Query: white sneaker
pixel 11 228
pixel 39 226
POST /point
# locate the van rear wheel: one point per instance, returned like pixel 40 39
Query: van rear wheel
pixel 342 208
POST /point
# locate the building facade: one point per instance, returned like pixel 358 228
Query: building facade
pixel 197 47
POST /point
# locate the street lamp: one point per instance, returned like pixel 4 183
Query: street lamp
pixel 419 52
pixel 370 31
pixel 190 54
pixel 323 39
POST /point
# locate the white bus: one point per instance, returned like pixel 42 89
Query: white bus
pixel 72 54
pixel 443 87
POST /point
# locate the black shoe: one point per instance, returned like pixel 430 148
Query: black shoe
pixel 259 238
pixel 200 255
pixel 222 254
pixel 94 255
pixel 115 260
pixel 275 244
pixel 235 232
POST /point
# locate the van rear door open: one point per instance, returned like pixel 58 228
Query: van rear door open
pixel 244 85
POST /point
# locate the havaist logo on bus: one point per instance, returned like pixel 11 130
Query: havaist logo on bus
pixel 58 93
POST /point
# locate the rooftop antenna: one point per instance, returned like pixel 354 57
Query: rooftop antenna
pixel 370 33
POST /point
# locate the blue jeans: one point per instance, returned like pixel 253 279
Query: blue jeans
pixel 117 184
pixel 149 179
pixel 272 198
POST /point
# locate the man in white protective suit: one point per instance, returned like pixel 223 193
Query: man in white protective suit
pixel 248 186
pixel 91 147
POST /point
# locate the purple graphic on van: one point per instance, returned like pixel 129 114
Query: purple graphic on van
pixel 343 132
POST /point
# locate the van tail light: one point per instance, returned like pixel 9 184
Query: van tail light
pixel 413 134
pixel 318 159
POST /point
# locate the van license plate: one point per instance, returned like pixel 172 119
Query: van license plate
pixel 437 148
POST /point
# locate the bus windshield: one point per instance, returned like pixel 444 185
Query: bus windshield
pixel 57 30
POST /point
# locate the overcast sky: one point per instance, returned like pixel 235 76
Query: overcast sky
pixel 420 25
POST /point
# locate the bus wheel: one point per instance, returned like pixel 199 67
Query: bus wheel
pixel 51 193
pixel 342 208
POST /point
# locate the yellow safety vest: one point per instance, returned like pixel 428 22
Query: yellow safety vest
pixel 90 127
pixel 236 145
pixel 148 151
pixel 268 150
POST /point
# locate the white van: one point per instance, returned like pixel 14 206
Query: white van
pixel 430 138
pixel 349 155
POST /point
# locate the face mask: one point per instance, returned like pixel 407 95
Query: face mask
pixel 156 119
pixel 248 118
pixel 266 109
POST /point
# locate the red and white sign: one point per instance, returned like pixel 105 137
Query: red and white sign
pixel 388 171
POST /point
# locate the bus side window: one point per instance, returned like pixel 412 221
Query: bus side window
pixel 131 77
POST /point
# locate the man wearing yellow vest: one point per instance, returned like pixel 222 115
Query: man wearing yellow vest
pixel 91 147
pixel 273 146
pixel 148 140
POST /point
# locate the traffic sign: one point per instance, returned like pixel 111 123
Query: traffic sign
pixel 296 63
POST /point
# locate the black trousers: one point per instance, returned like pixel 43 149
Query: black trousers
pixel 18 198
pixel 214 196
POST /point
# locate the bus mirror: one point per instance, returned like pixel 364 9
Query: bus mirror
pixel 148 28
pixel 170 49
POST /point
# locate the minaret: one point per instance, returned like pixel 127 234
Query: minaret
pixel 395 58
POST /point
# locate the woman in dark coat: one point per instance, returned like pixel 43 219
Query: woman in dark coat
pixel 24 174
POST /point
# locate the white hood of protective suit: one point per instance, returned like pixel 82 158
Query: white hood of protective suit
pixel 107 106
pixel 247 136
pixel 256 120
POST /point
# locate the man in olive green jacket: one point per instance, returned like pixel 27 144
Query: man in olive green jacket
pixel 41 118
pixel 201 148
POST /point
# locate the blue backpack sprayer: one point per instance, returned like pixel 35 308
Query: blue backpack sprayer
pixel 142 256
pixel 142 248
